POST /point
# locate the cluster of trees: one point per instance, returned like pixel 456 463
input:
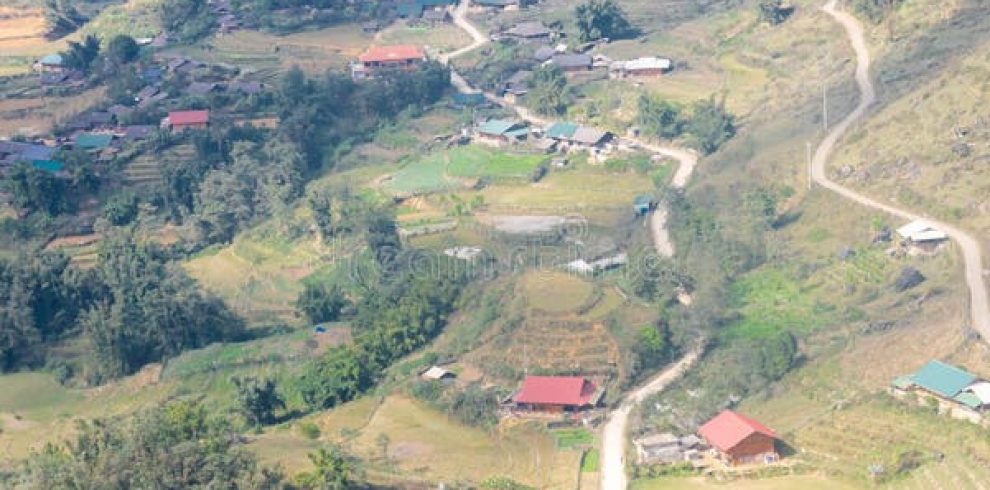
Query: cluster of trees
pixel 287 15
pixel 775 12
pixel 186 20
pixel 62 17
pixel 549 93
pixel 597 19
pixel 133 308
pixel 875 10
pixel 401 313
pixel 180 444
pixel 474 405
pixel 707 124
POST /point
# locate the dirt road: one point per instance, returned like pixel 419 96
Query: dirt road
pixel 613 468
pixel 614 432
pixel 979 309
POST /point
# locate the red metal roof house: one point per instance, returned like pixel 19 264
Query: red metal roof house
pixel 557 393
pixel 386 58
pixel 739 439
pixel 181 120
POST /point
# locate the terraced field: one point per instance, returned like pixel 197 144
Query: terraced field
pixel 146 169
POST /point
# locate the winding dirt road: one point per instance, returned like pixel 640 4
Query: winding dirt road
pixel 979 309
pixel 613 469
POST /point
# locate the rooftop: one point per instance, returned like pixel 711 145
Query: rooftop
pixel 727 429
pixel 188 117
pixel 391 53
pixel 943 379
pixel 93 141
pixel 556 390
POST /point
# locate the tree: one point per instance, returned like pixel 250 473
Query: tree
pixel 383 440
pixel 597 19
pixel 121 208
pixel 122 49
pixel 710 125
pixel 653 347
pixel 82 55
pixel 188 20
pixel 258 399
pixel 549 93
pixel 175 445
pixel 875 10
pixel 36 190
pixel 320 303
pixel 658 117
pixel 333 470
pixel 774 12
pixel 62 17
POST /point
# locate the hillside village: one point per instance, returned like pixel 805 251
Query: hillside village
pixel 479 244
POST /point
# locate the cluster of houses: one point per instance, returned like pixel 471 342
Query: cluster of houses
pixel 559 136
pixel 954 391
pixel 729 438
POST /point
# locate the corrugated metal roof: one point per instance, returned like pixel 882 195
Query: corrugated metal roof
pixel 727 429
pixel 556 390
pixel 561 130
pixel 496 127
pixel 943 379
pixel 968 399
pixel 93 141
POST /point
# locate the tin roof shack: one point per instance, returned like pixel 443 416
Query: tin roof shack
pixel 956 392
pixel 528 31
pixel 921 237
pixel 640 67
pixel 666 448
pixel 643 204
pixel 499 132
pixel 496 4
pixel 573 62
pixel 736 439
pixel 437 373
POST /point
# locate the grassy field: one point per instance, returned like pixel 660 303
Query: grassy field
pixel 37 116
pixel 914 161
pixel 424 444
pixel 445 37
pixel 458 167
pixel 779 483
pixel 555 292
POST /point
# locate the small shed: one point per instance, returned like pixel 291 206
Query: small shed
pixel 437 373
pixel 643 204
pixel 573 62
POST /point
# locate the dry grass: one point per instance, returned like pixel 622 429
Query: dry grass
pixel 37 116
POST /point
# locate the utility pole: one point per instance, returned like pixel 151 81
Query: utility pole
pixel 825 106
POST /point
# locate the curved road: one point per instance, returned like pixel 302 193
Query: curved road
pixel 979 309
pixel 614 431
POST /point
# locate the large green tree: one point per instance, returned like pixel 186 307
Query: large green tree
pixel 597 19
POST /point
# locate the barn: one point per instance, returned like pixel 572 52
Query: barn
pixel 557 394
pixel 737 439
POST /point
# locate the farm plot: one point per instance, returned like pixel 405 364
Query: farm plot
pixel 459 168
pixel 555 292
pixel 558 346
pixel 429 445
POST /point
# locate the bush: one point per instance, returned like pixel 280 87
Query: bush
pixel 309 430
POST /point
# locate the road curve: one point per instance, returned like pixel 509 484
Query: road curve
pixel 614 432
pixel 613 468
pixel 979 309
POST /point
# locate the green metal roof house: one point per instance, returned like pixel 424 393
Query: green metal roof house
pixel 93 141
pixel 942 379
pixel 502 130
pixel 561 130
pixel 50 166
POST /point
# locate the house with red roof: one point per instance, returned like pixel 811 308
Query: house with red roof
pixel 380 59
pixel 557 394
pixel 182 120
pixel 738 439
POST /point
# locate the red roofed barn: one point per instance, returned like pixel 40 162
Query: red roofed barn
pixel 180 120
pixel 557 393
pixel 739 439
pixel 386 58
